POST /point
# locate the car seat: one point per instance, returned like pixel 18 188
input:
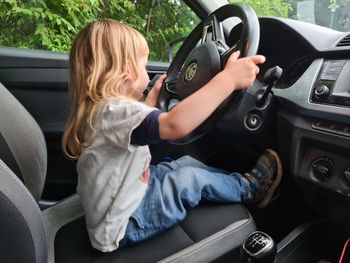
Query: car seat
pixel 58 233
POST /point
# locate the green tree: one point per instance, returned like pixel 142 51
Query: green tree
pixel 165 21
pixel 43 24
pixel 52 24
pixel 277 8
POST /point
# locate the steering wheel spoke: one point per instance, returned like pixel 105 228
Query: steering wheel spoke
pixel 213 31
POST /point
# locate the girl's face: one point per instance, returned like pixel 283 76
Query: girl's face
pixel 144 78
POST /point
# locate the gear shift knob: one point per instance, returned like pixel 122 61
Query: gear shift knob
pixel 258 247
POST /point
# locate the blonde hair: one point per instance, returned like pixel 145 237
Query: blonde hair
pixel 105 54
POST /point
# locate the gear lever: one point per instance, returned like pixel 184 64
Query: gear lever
pixel 258 248
pixel 270 78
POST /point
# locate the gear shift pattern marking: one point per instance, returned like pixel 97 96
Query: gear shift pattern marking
pixel 258 247
pixel 257 242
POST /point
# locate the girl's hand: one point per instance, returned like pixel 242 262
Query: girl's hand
pixel 241 72
pixel 152 97
pixel 192 111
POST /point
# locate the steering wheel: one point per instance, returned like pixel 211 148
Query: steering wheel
pixel 203 54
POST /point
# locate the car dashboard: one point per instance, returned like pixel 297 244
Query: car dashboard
pixel 313 96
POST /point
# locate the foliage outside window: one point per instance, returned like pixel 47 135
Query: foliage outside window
pixel 52 25
pixel 278 8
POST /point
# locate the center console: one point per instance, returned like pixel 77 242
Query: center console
pixel 313 128
pixel 316 241
pixel 319 130
pixel 317 151
pixel 331 86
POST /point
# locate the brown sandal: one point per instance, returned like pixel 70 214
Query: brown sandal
pixel 265 176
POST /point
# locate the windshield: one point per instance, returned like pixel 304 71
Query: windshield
pixel 52 25
pixel 333 14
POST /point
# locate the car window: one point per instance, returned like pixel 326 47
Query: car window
pixel 52 25
pixel 333 14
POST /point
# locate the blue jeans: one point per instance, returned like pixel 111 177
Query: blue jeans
pixel 176 186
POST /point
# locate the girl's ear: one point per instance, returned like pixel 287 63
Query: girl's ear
pixel 128 81
pixel 131 74
pixel 128 76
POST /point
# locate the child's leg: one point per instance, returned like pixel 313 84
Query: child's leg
pixel 184 161
pixel 171 193
pixel 144 222
pixel 176 186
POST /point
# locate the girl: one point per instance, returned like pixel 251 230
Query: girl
pixel 126 199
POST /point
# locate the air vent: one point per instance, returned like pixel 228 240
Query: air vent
pixel 344 42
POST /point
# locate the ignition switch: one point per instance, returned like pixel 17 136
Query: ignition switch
pixel 253 120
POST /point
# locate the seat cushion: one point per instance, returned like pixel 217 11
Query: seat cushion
pixel 208 232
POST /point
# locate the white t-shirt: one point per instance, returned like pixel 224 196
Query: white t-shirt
pixel 111 173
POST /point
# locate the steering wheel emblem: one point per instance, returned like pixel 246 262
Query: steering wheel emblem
pixel 190 71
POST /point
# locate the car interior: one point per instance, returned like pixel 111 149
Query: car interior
pixel 298 105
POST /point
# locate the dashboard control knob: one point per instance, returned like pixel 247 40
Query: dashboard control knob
pixel 322 91
pixel 323 168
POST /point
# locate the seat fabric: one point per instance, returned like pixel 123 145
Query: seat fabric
pixel 183 241
pixel 23 236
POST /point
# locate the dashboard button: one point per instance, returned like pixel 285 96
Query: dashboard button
pixel 333 69
pixel 329 76
pixel 337 63
pixel 331 127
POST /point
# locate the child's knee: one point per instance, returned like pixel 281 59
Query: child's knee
pixel 185 176
pixel 188 160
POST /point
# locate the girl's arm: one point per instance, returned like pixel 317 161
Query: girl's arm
pixel 196 108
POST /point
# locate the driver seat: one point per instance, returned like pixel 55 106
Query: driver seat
pixel 58 233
